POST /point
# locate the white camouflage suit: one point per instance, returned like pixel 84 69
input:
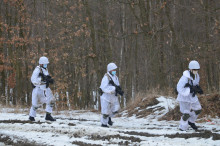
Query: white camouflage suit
pixel 188 103
pixel 40 93
pixel 109 102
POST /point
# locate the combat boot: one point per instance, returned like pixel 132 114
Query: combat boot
pixel 193 125
pixel 49 117
pixel 104 126
pixel 31 118
pixel 110 121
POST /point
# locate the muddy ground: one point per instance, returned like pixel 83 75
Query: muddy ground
pixel 125 137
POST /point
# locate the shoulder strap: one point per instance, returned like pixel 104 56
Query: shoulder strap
pixel 191 81
pixel 109 78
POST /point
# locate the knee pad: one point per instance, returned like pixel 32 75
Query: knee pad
pixel 115 112
pixel 105 116
pixel 52 103
pixel 185 116
pixel 35 107
pixel 198 112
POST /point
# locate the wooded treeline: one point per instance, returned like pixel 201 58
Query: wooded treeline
pixel 151 41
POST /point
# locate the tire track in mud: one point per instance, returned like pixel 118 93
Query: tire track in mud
pixel 199 134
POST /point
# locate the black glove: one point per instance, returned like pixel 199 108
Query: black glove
pixel 199 89
pixel 49 79
pixel 187 85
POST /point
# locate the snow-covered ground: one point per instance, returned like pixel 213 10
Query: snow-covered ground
pixel 83 128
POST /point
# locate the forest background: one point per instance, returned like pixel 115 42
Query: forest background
pixel 151 41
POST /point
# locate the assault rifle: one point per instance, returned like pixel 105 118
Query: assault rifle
pixel 118 89
pixel 194 89
pixel 47 79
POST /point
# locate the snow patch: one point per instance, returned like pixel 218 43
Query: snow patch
pixel 165 103
pixel 83 127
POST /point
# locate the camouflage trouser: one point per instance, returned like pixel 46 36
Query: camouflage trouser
pixel 39 97
pixel 190 113
pixel 108 109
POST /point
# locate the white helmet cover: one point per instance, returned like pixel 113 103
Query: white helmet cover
pixel 194 65
pixel 111 66
pixel 43 60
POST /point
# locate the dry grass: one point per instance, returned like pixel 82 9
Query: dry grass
pixel 14 109
pixel 210 108
pixel 139 105
pixel 143 100
pixel 210 105
pixel 174 114
pixel 26 109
